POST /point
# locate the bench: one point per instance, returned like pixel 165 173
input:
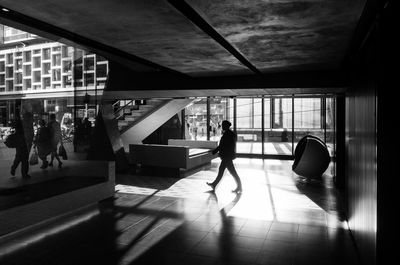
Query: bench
pixel 182 154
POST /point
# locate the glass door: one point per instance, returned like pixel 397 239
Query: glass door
pixel 278 126
pixel 248 125
pixel 308 118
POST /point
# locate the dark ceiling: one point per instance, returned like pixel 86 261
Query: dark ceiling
pixel 209 37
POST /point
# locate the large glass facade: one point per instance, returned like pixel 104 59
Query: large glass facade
pixel 203 118
pixel 269 125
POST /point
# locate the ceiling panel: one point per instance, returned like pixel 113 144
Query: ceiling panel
pixel 285 34
pixel 151 29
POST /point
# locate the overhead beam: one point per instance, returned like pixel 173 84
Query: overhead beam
pixel 43 29
pixel 200 22
pixel 149 81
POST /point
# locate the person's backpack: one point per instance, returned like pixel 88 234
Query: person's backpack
pixel 11 140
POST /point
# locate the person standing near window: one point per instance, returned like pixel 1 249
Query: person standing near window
pixel 21 153
pixel 56 138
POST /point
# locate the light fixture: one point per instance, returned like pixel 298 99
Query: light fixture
pixel 5 9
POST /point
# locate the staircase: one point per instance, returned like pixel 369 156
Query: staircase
pixel 128 112
pixel 137 119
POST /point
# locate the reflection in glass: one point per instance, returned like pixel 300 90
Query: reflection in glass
pixel 330 125
pixel 308 118
pixel 196 120
pixel 248 125
pixel 278 127
pixel 219 111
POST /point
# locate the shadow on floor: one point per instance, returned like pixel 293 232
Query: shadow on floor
pixel 323 193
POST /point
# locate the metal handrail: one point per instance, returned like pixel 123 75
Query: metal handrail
pixel 121 109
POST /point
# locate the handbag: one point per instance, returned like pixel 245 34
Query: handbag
pixel 33 159
pixel 62 152
pixel 11 140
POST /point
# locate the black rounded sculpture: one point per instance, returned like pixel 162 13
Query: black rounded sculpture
pixel 311 157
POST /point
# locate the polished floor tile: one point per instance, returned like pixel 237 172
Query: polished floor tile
pixel 277 219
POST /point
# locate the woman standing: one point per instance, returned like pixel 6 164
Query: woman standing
pixel 43 143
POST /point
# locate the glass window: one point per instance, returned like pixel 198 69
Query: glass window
pixel 89 63
pixel 46 54
pixel 2 66
pixel 27 70
pixel 67 66
pixel 267 113
pixel 67 81
pixel 27 84
pixel 2 80
pixel 196 119
pixel 101 70
pixel 36 76
pixel 10 58
pixel 248 125
pixel 9 71
pixel 18 64
pixel 308 118
pixel 89 79
pixel 219 111
pixel 57 59
pixel 331 125
pixel 78 56
pixel 278 132
pixel 18 78
pixel 307 113
pixel 66 51
pixel 46 68
pixel 27 56
pixel 46 82
pixel 56 74
pixel 36 62
pixel 78 72
pixel 9 85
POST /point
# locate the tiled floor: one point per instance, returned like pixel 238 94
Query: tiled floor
pixel 278 219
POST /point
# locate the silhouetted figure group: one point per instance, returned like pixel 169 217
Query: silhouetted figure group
pixel 46 141
pixel 227 152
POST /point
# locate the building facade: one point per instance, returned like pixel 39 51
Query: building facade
pixel 43 77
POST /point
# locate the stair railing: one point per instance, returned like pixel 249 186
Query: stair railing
pixel 120 111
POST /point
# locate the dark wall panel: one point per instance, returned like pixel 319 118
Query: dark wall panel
pixel 361 154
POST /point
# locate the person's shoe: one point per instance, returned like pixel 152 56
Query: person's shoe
pixel 12 172
pixel 60 164
pixel 212 185
pixel 50 164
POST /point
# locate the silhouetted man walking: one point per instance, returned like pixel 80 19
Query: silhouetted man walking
pixel 227 152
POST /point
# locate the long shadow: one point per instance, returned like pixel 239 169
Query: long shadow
pixel 325 195
pixel 146 181
pixel 226 242
pixel 166 251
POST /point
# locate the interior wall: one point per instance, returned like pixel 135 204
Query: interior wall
pixel 361 168
pixel 361 147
